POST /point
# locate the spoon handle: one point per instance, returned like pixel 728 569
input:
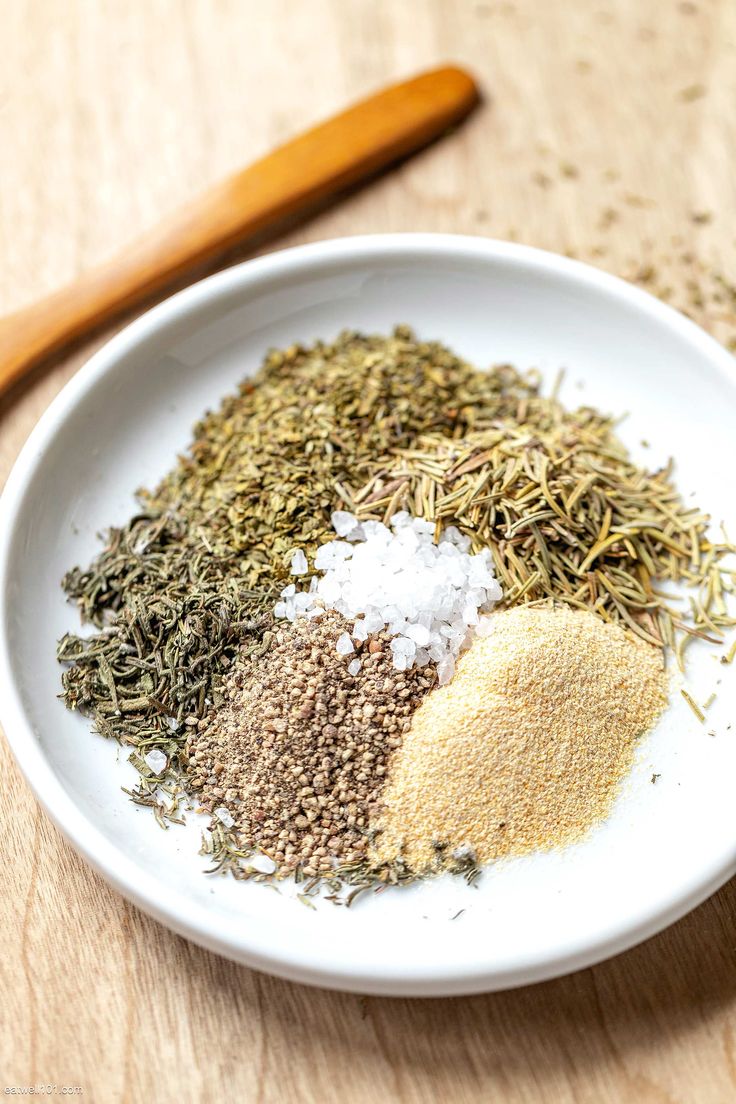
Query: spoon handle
pixel 332 156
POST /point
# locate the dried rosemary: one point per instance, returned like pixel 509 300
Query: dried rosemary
pixel 567 515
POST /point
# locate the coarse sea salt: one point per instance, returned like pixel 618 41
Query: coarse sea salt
pixel 431 598
pixel 299 564
pixel 224 816
pixel 156 760
pixel 344 645
pixel 261 864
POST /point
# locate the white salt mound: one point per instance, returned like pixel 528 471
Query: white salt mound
pixel 429 597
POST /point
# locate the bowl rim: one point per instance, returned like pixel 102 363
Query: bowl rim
pixel 176 910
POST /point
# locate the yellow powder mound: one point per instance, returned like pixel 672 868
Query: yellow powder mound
pixel 525 749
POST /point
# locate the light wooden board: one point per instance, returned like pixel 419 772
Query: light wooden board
pixel 111 111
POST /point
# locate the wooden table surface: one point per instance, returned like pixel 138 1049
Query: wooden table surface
pixel 609 131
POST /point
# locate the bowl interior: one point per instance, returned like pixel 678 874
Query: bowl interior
pixel 120 424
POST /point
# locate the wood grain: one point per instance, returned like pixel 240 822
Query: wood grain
pixel 608 126
pixel 306 171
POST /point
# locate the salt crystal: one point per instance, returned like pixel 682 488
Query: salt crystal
pixel 332 553
pixel 343 522
pixel 360 632
pixel 330 589
pixel 484 627
pixel 476 596
pixel 289 591
pixel 398 627
pixel 354 667
pixel 470 614
pixel 373 620
pixel 453 536
pixel 403 517
pixel 324 558
pixel 445 670
pixel 376 530
pixel 224 817
pixel 344 645
pixel 156 760
pixel 299 565
pixel 418 633
pixel 261 864
pixel 409 538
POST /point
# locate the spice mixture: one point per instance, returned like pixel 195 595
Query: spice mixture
pixel 454 493
pixel 527 746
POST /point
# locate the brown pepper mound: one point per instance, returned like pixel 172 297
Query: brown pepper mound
pixel 297 752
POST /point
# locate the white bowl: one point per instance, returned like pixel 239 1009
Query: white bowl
pixel 119 423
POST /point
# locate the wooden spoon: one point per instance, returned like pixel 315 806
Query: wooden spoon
pixel 333 156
